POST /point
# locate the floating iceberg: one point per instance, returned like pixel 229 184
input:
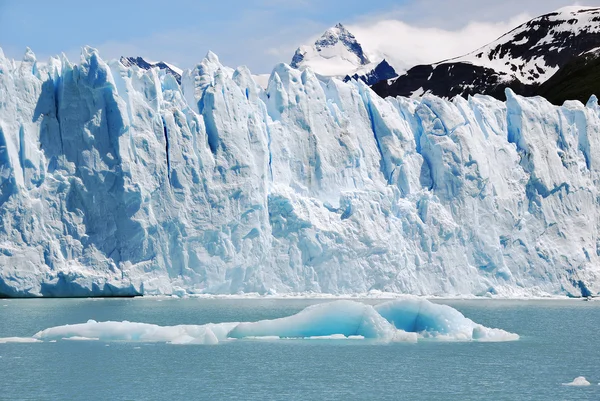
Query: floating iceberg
pixel 433 320
pixel 139 332
pixel 80 339
pixel 8 340
pixel 578 382
pixel 347 318
pixel 406 320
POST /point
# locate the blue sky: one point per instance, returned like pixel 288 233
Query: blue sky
pixel 258 33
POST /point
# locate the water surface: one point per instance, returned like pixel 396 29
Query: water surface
pixel 559 342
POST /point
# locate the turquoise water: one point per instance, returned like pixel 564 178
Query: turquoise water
pixel 559 341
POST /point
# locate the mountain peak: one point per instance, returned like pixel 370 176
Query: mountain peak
pixel 340 35
pixel 338 31
pixel 335 53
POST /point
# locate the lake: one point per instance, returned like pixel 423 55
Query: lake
pixel 558 341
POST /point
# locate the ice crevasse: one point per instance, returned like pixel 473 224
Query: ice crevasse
pixel 119 181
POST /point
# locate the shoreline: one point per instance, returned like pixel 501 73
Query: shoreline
pixel 315 296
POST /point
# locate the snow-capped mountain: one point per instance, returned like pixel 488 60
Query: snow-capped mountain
pixel 146 65
pixel 337 53
pixel 117 180
pixel 522 59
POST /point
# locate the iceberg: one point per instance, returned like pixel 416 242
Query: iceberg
pixel 138 332
pixel 438 321
pixel 119 181
pixel 80 339
pixel 406 320
pixel 19 340
pixel 578 382
pixel 347 318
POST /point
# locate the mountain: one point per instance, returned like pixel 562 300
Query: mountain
pixel 122 183
pixel 337 53
pixel 146 65
pixel 523 59
pixel 382 71
pixel 577 80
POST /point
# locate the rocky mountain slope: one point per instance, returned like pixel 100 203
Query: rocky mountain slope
pixel 523 59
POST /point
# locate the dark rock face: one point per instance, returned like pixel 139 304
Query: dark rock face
pixel 449 80
pixel 145 65
pixel 523 59
pixel 297 59
pixel 578 80
pixel 383 71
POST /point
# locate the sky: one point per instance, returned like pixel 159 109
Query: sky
pixel 258 33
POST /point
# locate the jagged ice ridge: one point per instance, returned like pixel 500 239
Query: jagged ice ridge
pixel 119 181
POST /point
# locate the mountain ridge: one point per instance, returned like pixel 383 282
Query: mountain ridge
pixel 522 59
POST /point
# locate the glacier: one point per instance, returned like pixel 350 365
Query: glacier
pixel 117 181
pixel 404 320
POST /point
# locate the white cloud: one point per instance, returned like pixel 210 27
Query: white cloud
pixel 406 45
pixel 456 14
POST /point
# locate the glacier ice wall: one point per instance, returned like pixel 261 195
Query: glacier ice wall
pixel 120 181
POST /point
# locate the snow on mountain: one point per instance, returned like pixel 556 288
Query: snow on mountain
pixel 116 180
pixel 338 54
pixel 525 57
pixel 534 51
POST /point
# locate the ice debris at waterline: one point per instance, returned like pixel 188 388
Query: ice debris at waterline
pixel 120 181
pixel 406 320
pixel 19 340
pixel 578 382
